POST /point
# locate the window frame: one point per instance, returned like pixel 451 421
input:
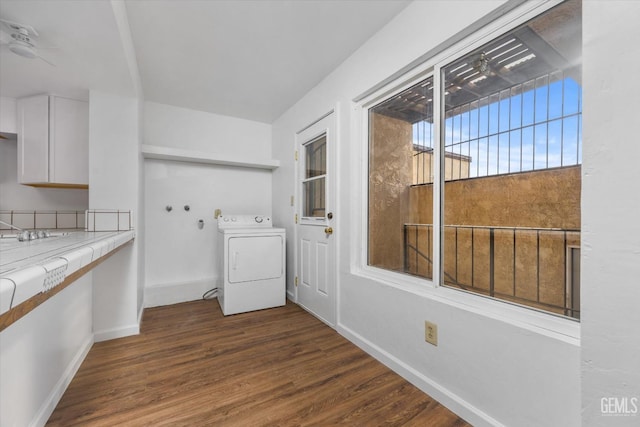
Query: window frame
pixel 313 220
pixel 546 323
pixel 320 221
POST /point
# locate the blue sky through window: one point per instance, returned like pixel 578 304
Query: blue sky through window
pixel 531 126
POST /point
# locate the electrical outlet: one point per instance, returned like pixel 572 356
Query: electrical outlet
pixel 431 333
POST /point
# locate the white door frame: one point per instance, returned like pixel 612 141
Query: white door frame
pixel 332 180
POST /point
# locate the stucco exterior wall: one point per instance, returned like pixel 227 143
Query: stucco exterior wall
pixel 547 199
pixel 455 167
pixel 390 167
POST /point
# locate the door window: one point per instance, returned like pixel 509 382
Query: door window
pixel 315 178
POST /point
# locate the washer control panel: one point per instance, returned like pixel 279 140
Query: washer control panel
pixel 244 221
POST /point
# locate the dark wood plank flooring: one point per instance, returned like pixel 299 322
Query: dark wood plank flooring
pixel 191 366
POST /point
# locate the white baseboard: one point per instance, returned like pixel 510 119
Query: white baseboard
pixel 291 296
pixel 452 401
pixel 174 293
pixel 111 334
pixel 54 397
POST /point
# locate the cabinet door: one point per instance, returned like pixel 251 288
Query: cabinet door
pixel 33 139
pixel 69 141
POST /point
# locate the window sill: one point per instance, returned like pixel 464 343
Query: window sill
pixel 552 326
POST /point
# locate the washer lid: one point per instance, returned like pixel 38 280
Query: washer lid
pixel 226 222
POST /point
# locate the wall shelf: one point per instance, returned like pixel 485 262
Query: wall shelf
pixel 190 156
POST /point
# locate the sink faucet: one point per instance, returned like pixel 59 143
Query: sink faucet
pixel 26 235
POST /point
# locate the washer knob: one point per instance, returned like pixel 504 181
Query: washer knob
pixel 259 219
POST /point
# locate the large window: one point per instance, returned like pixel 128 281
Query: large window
pixel 511 151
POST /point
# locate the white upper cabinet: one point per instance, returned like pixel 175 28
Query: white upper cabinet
pixel 53 142
pixel 33 139
pixel 68 141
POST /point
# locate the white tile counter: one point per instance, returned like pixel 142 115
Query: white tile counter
pixel 30 268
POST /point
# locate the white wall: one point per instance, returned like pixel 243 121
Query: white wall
pixel 114 183
pixel 176 127
pixel 8 113
pixel 179 257
pixel 41 353
pixel 487 368
pixel 610 211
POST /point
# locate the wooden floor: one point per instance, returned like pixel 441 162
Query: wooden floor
pixel 190 366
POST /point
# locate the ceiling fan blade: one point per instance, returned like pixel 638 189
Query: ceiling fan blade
pixel 50 63
pixel 16 26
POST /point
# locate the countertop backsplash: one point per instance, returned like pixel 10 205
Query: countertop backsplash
pixel 42 219
pixel 89 220
pixel 109 220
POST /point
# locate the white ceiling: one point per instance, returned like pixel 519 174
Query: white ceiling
pixel 88 52
pixel 251 59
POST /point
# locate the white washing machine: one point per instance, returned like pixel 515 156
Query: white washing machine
pixel 252 263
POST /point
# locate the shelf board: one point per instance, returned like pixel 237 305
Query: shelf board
pixel 190 156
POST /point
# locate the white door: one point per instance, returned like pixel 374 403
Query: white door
pixel 316 234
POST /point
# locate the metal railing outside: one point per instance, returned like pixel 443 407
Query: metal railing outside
pixel 528 266
pixel 530 126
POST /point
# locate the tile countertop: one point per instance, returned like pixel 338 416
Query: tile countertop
pixel 28 268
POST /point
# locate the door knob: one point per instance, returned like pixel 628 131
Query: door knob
pixel 328 230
